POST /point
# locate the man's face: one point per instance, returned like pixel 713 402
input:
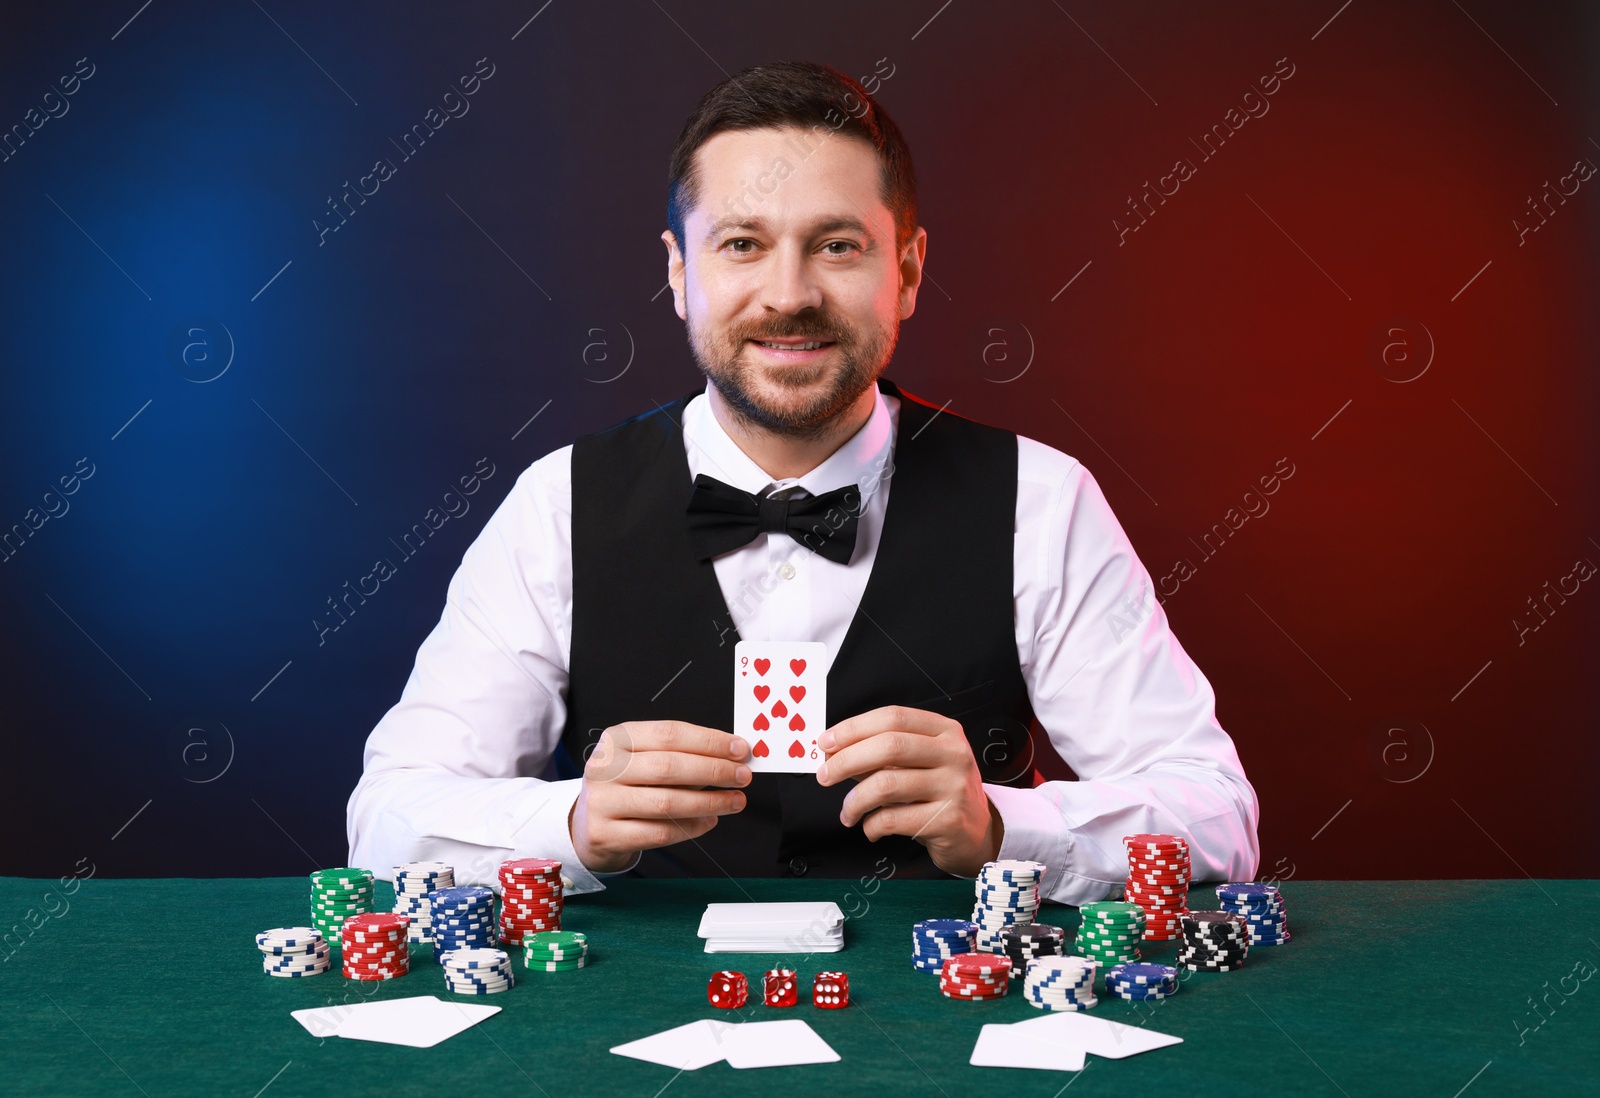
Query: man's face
pixel 791 243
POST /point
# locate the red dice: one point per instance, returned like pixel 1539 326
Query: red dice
pixel 728 990
pixel 780 988
pixel 830 990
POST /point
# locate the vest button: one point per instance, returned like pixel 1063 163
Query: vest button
pixel 798 866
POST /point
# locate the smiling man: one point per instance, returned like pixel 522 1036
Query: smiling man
pixel 970 584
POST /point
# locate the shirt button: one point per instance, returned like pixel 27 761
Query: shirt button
pixel 798 866
pixel 786 571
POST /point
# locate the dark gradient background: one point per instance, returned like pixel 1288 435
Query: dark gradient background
pixel 170 707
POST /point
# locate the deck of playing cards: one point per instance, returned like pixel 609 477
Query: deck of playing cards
pixel 780 703
pixel 808 927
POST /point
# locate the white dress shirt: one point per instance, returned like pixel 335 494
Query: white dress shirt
pixel 448 770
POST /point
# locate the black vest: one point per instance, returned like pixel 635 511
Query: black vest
pixel 934 629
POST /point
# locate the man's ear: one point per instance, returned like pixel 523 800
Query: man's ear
pixel 675 272
pixel 911 261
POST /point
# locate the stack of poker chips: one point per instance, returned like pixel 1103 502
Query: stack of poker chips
pixel 1061 983
pixel 476 971
pixel 728 990
pixel 293 951
pixel 1158 881
pixel 935 940
pixel 1141 982
pixel 975 977
pixel 1262 908
pixel 1214 941
pixel 779 988
pixel 412 883
pixel 1007 894
pixel 1024 942
pixel 1111 931
pixel 337 894
pixel 374 947
pixel 461 917
pixel 555 950
pixel 830 991
pixel 530 897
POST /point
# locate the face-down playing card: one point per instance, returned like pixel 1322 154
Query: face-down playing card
pixel 780 703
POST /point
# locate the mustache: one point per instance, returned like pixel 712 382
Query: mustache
pixel 825 331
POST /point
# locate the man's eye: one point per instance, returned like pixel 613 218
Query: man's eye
pixel 843 244
pixel 734 244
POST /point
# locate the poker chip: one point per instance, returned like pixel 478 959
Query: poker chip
pixel 934 940
pixel 555 950
pixel 727 990
pixel 975 976
pixel 1110 931
pixel 1158 881
pixel 1262 907
pixel 461 917
pixel 531 898
pixel 293 951
pixel 373 946
pixel 1026 942
pixel 1141 981
pixel 830 991
pixel 1060 983
pixel 337 894
pixel 779 988
pixel 412 883
pixel 1214 941
pixel 476 971
pixel 1006 894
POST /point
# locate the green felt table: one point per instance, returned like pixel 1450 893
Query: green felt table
pixel 1423 988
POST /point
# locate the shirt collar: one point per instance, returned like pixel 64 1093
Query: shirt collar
pixel 860 461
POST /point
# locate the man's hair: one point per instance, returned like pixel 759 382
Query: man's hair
pixel 814 97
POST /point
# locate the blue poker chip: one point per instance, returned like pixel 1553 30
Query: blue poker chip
pixel 1141 973
pixel 938 926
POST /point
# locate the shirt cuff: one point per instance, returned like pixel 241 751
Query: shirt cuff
pixel 1035 832
pixel 548 836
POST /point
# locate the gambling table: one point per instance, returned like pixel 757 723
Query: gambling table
pixel 155 987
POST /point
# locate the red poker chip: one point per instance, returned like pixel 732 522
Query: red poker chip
pixel 377 920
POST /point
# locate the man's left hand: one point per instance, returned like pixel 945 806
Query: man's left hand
pixel 917 777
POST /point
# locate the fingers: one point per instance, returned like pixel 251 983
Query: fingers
pixel 679 768
pixel 692 739
pixel 650 834
pixel 885 718
pixel 898 749
pixel 895 787
pixel 645 802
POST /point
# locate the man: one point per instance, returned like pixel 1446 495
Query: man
pixel 592 623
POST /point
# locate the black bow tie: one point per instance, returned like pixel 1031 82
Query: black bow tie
pixel 723 518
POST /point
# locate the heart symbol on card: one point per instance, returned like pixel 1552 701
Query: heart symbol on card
pixel 795 750
pixel 760 750
pixel 798 693
pixel 762 665
pixel 798 667
pixel 762 692
pixel 797 723
pixel 761 724
pixel 779 709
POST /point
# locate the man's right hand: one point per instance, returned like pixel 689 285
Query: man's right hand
pixel 644 787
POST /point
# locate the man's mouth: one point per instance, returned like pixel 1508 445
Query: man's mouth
pixel 793 345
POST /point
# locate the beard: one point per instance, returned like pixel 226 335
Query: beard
pixel 855 366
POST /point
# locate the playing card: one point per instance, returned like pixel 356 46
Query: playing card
pixel 687 1048
pixel 1011 1046
pixel 775 1044
pixel 1101 1036
pixel 780 703
pixel 421 1021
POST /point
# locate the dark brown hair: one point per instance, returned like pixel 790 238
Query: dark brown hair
pixel 794 93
